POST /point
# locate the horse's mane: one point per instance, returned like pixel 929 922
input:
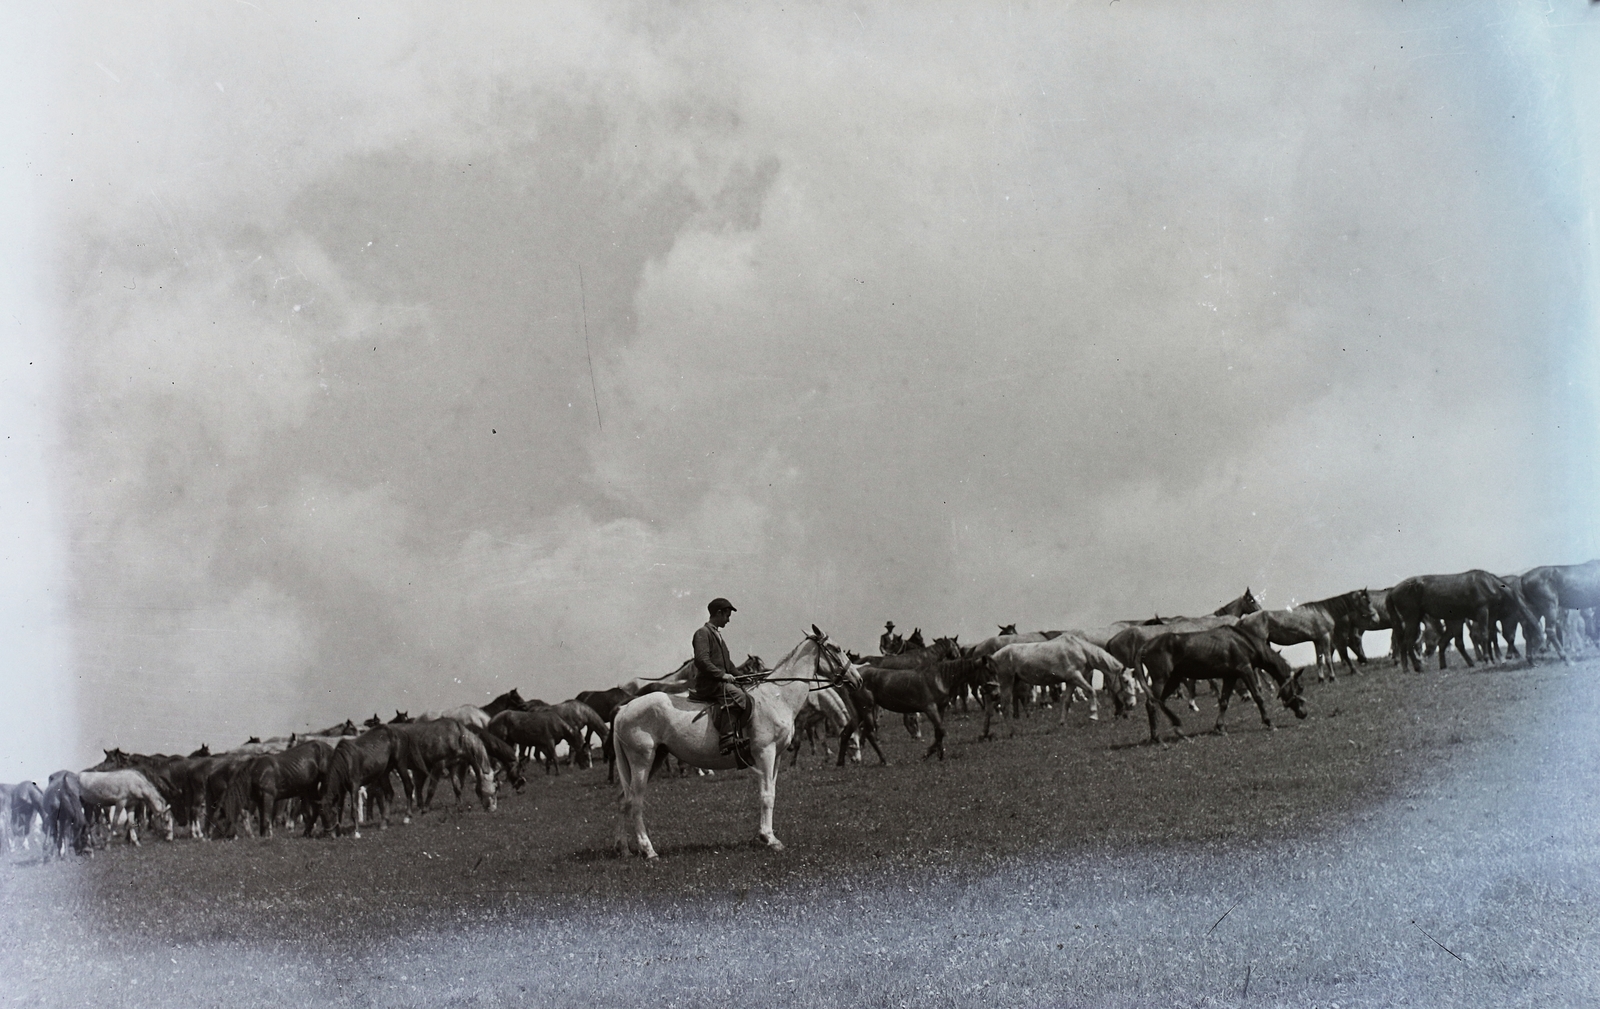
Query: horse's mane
pixel 1341 605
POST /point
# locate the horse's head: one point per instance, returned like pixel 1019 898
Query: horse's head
pixel 349 728
pixel 400 717
pixel 1007 629
pixel 831 663
pixel 949 648
pixel 204 751
pixel 373 722
pixel 252 739
pixel 1288 683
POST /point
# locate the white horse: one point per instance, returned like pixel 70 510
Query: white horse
pixel 828 711
pixel 124 792
pixel 685 728
pixel 469 713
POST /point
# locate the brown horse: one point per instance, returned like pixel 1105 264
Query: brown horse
pixel 1230 654
pixel 1551 589
pixel 1471 596
pixel 922 691
pixel 361 762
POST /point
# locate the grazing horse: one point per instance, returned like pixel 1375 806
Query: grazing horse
pixel 1471 596
pixel 540 731
pixel 1551 589
pixel 1231 654
pixel 922 690
pixel 1323 622
pixel 685 729
pixel 124 792
pixel 588 723
pixel 444 748
pixel 824 709
pixel 1065 660
pixel 64 822
pixel 363 762
pixel 270 779
pixel 1243 606
pixel 501 753
pixel 20 804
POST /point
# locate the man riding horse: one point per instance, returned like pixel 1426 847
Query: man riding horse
pixel 716 680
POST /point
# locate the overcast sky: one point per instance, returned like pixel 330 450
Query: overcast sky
pixel 372 359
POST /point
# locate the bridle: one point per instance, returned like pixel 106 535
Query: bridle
pixel 838 674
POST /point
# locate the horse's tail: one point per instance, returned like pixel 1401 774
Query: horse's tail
pixel 618 757
pixel 237 795
pixel 336 784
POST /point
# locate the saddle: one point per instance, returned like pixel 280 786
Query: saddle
pixel 732 722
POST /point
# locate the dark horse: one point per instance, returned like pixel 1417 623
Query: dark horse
pixel 1549 590
pixel 1450 600
pixel 1239 607
pixel 1231 654
pixel 511 700
pixel 273 778
pixel 921 691
pixel 364 761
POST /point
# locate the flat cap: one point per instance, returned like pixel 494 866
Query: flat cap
pixel 720 603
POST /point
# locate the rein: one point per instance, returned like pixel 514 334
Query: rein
pixel 757 679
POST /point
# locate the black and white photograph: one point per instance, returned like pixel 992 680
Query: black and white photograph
pixel 951 504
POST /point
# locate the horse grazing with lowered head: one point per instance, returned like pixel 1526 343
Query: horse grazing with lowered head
pixel 1454 600
pixel 362 765
pixel 121 796
pixel 684 728
pixel 1231 654
pixel 64 822
pixel 20 805
pixel 540 732
pixel 447 749
pixel 1549 590
pixel 1069 661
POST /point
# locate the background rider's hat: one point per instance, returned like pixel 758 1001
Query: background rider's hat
pixel 889 624
pixel 718 604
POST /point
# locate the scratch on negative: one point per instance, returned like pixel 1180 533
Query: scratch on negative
pixel 1229 911
pixel 1436 942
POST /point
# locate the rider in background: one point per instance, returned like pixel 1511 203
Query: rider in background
pixel 888 642
pixel 716 681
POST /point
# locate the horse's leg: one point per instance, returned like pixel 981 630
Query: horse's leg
pixel 932 711
pixel 635 778
pixel 766 772
pixel 1168 688
pixel 1458 627
pixel 1252 683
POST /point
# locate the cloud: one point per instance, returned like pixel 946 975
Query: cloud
pixel 434 356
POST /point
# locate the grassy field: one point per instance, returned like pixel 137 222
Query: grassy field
pixel 1091 794
pixel 1045 789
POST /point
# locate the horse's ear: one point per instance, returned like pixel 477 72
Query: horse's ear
pixel 816 632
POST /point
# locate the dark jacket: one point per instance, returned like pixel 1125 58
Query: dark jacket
pixel 711 659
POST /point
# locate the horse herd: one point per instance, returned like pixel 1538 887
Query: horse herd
pixel 342 777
